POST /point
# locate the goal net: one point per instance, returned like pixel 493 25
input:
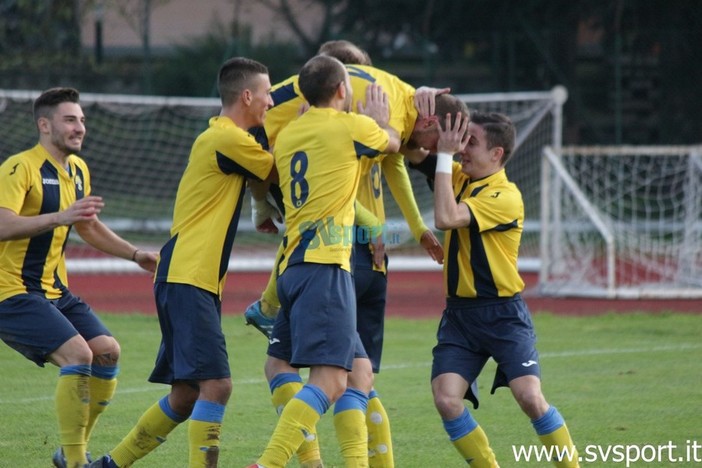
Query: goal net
pixel 137 148
pixel 622 222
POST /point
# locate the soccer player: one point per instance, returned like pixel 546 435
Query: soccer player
pixel 44 192
pixel 192 269
pixel 483 214
pixel 317 157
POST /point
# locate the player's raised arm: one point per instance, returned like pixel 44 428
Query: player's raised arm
pixel 447 213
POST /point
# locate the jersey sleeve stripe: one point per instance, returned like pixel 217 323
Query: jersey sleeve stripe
pixel 227 166
pixel 283 94
pixel 363 150
pixel 357 72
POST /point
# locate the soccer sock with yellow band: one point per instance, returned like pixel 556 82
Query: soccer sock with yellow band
pixel 72 399
pixel 470 441
pixel 102 384
pixel 297 423
pixel 149 432
pixel 554 434
pixel 283 388
pixel 204 432
pixel 380 453
pixel 350 425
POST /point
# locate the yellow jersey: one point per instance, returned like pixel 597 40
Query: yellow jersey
pixel 33 183
pixel 481 258
pixel 317 156
pixel 208 205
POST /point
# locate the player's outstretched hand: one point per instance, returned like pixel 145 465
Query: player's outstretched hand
pixel 425 99
pixel 376 106
pixel 432 246
pixel 84 209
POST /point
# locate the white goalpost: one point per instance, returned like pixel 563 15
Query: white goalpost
pixel 622 222
pixel 137 148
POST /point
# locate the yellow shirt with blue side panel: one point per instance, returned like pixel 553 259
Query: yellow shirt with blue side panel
pixel 33 183
pixel 208 205
pixel 317 157
pixel 481 258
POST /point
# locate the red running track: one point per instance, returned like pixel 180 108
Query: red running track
pixel 410 294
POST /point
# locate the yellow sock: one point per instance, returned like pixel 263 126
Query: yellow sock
pixel 351 430
pixel 296 423
pixel 101 393
pixel 560 441
pixel 149 432
pixel 470 441
pixel 380 454
pixel 475 449
pixel 554 434
pixel 204 437
pixel 308 453
pixel 204 432
pixel 72 399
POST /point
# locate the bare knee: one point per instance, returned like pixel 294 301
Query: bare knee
pixel 534 405
pixel 330 379
pixel 217 390
pixel 361 375
pixel 448 406
pixel 105 349
pixel 527 393
pixel 183 397
pixel 448 391
pixel 275 366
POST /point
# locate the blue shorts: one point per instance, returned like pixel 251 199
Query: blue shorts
pixel 36 327
pixel 371 292
pixel 316 325
pixel 473 330
pixel 193 347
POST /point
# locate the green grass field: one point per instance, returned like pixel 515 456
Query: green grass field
pixel 626 384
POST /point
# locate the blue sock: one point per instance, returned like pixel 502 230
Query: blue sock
pixel 462 425
pixel 352 399
pixel 314 397
pixel 208 411
pixel 549 422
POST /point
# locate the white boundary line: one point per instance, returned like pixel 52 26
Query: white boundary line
pixel 258 381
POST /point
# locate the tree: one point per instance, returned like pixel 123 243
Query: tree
pixel 39 35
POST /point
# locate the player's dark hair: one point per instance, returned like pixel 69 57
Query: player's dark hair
pixel 47 101
pixel 235 75
pixel 499 131
pixel 319 79
pixel 346 52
